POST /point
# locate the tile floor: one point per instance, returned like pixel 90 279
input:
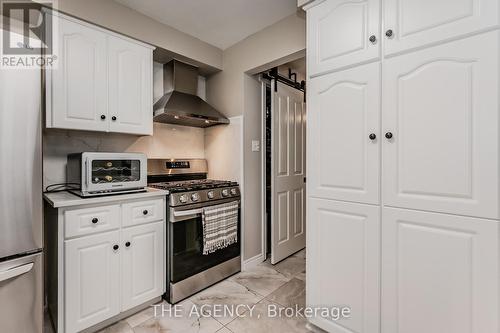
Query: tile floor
pixel 278 286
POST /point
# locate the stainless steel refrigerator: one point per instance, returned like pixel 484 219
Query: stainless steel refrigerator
pixel 21 264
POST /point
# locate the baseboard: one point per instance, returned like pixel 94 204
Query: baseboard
pixel 252 262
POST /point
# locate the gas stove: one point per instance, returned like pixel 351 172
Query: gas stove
pixel 186 182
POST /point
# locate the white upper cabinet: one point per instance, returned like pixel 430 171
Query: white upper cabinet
pixel 341 33
pixel 439 273
pixel 77 89
pixel 343 118
pixel 441 106
pixel 343 263
pixel 101 82
pixel 415 23
pixel 130 94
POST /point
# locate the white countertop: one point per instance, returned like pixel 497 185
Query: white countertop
pixel 67 199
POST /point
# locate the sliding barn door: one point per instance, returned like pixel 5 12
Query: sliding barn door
pixel 288 165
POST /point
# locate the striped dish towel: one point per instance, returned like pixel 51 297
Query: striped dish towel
pixel 220 226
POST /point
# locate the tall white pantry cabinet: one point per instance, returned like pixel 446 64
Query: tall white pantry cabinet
pixel 403 160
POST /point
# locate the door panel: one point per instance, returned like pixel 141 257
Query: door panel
pixel 418 23
pixel 339 32
pixel 344 109
pixel 79 84
pixel 142 264
pixel 92 270
pixel 343 263
pixel 288 172
pixel 130 72
pixel 439 273
pixel 443 112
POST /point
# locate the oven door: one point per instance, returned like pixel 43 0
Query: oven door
pixel 114 172
pixel 185 247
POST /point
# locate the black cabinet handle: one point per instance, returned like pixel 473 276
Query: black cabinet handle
pixel 116 247
pixel 95 220
pixel 373 39
pixel 127 244
pixel 388 135
pixel 103 117
pixel 389 33
pixel 145 212
pixel 113 118
pixel 372 136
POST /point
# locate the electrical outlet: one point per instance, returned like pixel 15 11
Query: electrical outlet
pixel 255 145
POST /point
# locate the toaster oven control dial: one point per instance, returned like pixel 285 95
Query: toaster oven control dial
pixel 195 197
pixel 183 198
pixel 233 191
pixel 210 194
pixel 225 192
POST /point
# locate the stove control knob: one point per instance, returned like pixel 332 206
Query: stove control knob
pixel 210 194
pixel 225 192
pixel 183 198
pixel 233 191
pixel 195 197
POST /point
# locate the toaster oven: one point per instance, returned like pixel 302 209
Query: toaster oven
pixel 93 174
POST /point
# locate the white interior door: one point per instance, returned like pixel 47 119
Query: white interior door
pixel 441 106
pixel 288 164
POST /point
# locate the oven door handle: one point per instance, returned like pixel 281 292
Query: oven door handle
pixel 180 213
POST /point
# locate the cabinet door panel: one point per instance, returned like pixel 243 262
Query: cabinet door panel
pixel 91 280
pixel 441 106
pixel 130 87
pixel 142 264
pixel 79 83
pixel 439 273
pixel 338 33
pixel 344 108
pixel 422 22
pixel 343 263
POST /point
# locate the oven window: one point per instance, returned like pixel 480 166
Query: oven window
pixel 186 250
pixel 115 171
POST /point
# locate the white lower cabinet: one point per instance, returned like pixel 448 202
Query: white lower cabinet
pixel 142 264
pixel 105 266
pixel 439 273
pixel 343 263
pixel 92 272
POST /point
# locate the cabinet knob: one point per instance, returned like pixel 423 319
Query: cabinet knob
pixel 145 212
pixel 127 244
pixel 116 247
pixel 95 220
pixel 113 118
pixel 388 135
pixel 103 117
pixel 373 39
pixel 389 33
pixel 372 136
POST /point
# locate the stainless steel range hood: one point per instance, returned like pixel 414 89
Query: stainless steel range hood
pixel 180 105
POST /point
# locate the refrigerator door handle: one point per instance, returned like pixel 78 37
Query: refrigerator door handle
pixel 16 271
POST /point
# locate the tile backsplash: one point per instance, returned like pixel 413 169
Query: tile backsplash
pixel 168 141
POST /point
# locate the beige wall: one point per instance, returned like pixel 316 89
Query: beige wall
pixel 122 19
pixel 236 92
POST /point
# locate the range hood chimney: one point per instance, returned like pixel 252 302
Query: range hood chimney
pixel 180 105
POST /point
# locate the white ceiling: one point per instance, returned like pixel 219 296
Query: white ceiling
pixel 221 23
